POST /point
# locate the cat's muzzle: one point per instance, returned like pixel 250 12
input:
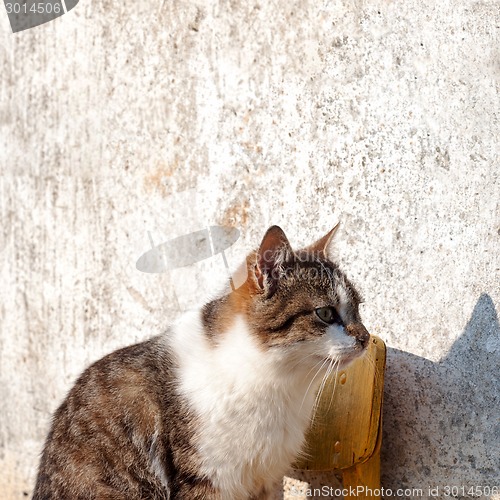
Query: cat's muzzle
pixel 359 332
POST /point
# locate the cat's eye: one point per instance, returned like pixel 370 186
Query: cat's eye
pixel 328 315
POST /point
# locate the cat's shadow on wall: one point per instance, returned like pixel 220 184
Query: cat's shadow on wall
pixel 442 419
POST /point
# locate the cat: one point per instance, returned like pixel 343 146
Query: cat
pixel 217 407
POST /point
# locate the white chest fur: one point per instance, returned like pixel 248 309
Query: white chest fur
pixel 253 412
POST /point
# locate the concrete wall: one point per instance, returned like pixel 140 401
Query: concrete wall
pixel 125 117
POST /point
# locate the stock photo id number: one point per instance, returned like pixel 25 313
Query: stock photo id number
pixel 26 14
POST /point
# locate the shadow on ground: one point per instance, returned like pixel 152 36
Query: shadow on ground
pixel 442 420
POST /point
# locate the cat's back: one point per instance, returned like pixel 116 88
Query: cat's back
pixel 105 436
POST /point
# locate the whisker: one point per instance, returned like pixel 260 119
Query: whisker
pixel 301 360
pixel 335 378
pixel 321 388
pixel 327 376
pixel 322 361
pixel 312 380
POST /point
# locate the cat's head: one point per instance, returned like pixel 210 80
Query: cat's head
pixel 299 303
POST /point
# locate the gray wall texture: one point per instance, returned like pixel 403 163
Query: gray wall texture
pixel 123 118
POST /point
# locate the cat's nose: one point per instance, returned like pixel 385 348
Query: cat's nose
pixel 359 332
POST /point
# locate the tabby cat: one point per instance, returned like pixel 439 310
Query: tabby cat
pixel 216 407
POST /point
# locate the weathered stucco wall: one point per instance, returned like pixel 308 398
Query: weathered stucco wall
pixel 126 117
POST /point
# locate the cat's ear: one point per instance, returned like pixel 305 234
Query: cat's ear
pixel 273 252
pixel 321 246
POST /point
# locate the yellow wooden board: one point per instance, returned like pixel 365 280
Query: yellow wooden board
pixel 346 428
